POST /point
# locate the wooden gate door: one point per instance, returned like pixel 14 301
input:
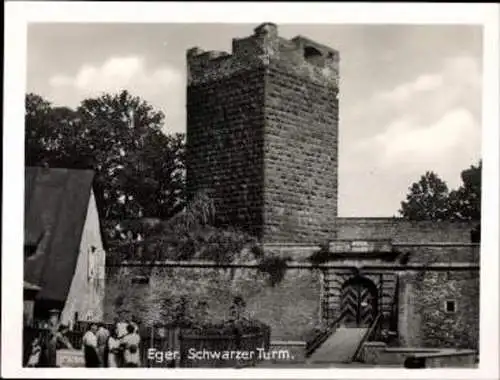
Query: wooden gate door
pixel 359 302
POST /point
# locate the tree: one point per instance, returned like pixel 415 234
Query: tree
pixel 45 131
pixel 139 169
pixel 428 199
pixel 465 202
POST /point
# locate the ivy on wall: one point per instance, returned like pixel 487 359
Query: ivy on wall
pixel 193 235
pixel 322 255
pixel 275 267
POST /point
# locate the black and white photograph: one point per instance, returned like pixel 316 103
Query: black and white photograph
pixel 258 195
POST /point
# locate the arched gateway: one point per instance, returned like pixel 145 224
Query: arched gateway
pixel 359 302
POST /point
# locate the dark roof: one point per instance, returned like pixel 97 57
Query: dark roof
pixel 56 202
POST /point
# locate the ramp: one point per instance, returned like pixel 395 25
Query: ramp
pixel 340 347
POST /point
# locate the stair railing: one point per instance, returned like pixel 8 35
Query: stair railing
pixel 373 328
pixel 320 338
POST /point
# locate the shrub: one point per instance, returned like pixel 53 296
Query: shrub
pixel 322 255
pixel 275 267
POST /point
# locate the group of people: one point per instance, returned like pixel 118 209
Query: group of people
pixel 118 348
pixel 43 351
pixel 101 348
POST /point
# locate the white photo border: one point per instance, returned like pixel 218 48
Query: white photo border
pixel 19 14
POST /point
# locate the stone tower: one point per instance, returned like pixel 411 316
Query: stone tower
pixel 262 134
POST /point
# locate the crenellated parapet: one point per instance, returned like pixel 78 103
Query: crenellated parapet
pixel 265 48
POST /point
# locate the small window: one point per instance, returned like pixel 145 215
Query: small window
pixel 475 235
pixel 314 56
pixel 142 280
pixel 450 306
pixel 310 52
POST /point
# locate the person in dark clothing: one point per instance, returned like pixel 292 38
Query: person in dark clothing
pixel 50 343
pixel 102 344
pixel 90 347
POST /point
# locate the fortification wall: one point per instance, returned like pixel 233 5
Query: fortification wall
pixel 423 318
pixel 403 231
pixel 291 307
pixel 428 254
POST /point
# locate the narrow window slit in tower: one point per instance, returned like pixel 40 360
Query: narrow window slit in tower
pixel 310 52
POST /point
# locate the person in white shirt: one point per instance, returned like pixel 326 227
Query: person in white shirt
pixel 121 329
pixel 36 349
pixel 90 347
pixel 114 356
pixel 130 344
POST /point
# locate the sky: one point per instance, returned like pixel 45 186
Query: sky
pixel 410 95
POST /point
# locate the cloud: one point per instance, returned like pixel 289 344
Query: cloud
pixel 403 93
pixel 375 173
pixel 161 86
pixel 429 119
pixel 425 98
pixel 456 137
pixel 431 122
pixel 459 74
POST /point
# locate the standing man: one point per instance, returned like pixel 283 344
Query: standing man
pixel 102 344
pixel 90 347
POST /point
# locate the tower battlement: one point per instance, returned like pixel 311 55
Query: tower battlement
pixel 265 48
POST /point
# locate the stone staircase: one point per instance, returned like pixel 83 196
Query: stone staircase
pixel 340 347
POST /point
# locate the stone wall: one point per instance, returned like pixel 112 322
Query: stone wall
pixel 423 319
pixel 224 146
pixel 377 353
pixel 292 315
pixel 300 158
pixel 428 254
pixel 458 360
pixel 292 308
pixel 262 132
pixel 403 231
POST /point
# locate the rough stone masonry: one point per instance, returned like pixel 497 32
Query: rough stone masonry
pixel 262 135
